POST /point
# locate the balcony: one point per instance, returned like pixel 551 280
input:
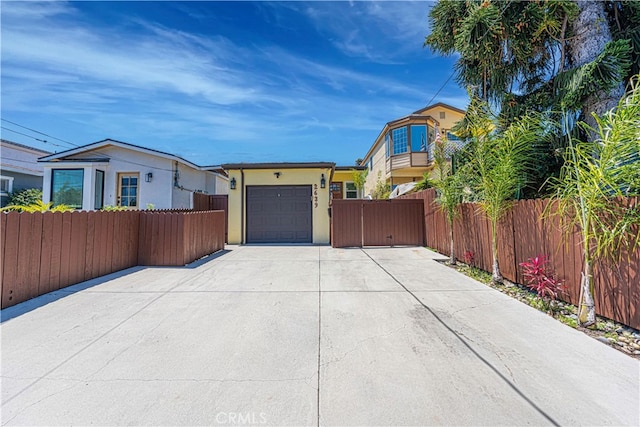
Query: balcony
pixel 418 159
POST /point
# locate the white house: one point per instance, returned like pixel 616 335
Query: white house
pixel 19 168
pixel 116 173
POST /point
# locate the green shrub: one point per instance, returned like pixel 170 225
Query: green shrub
pixel 26 197
pixel 425 183
pixel 38 206
pixel 110 208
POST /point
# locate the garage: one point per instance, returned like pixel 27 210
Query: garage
pixel 279 214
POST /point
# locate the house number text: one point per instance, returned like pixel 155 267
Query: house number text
pixel 315 195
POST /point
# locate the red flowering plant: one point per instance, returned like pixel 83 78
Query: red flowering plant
pixel 540 277
pixel 468 257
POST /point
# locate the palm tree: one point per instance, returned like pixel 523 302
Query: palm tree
pixel 596 175
pixel 448 190
pixel 591 34
pixel 498 167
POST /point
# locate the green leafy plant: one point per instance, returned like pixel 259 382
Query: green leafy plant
pixel 591 190
pixel 359 179
pixel 38 206
pixel 499 162
pixel 449 188
pixel 28 196
pixel 112 208
pixel 382 189
pixel 425 183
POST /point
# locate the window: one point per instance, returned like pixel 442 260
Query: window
pixel 66 187
pixel 371 164
pixel 99 190
pixel 6 185
pixel 387 145
pixel 418 138
pixel 399 140
pixel 351 190
pixel 335 188
pixel 452 137
pixel 442 115
pixel 128 189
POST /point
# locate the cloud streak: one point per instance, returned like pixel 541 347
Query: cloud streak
pixel 145 81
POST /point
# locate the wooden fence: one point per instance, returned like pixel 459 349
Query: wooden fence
pixel 42 252
pixel 213 202
pixel 376 223
pixel 523 234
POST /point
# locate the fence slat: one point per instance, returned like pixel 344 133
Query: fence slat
pixel 10 255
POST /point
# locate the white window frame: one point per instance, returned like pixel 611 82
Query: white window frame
pixel 346 190
pixel 9 180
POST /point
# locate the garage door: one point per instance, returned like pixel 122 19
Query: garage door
pixel 279 214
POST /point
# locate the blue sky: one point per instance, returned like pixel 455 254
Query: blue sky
pixel 218 82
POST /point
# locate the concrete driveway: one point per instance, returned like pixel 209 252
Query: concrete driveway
pixel 304 336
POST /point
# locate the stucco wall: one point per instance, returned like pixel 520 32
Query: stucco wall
pixel 160 192
pixel 320 213
pixel 378 170
pixel 450 119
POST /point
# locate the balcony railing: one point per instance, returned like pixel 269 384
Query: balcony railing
pixel 418 159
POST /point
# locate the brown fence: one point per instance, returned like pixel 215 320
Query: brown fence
pixel 179 238
pixel 42 252
pixel 213 202
pixel 523 234
pixel 376 223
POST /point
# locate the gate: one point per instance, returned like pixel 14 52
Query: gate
pixel 213 202
pixel 358 223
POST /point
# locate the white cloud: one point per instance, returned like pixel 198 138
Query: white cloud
pixel 138 79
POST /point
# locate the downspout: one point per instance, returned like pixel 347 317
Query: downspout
pixel 333 168
pixel 242 213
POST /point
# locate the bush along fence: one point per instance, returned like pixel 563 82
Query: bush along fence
pixel 42 252
pixel 523 234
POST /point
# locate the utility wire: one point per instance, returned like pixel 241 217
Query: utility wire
pixel 41 133
pixel 111 156
pixel 30 136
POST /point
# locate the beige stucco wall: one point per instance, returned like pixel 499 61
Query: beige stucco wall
pixel 451 117
pixel 377 171
pixel 319 208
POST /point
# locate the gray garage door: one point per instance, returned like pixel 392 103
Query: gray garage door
pixel 279 214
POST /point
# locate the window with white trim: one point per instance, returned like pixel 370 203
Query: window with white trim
pixel 351 192
pixel 6 185
pixel 399 137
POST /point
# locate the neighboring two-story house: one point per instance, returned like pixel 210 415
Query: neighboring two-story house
pixel 117 173
pixel 19 168
pixel 403 151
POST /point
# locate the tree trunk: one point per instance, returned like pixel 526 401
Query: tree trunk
pixel 586 305
pixel 591 34
pixel 452 256
pixel 496 277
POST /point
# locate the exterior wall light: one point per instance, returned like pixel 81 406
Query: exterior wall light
pixel 148 177
pixel 323 182
pixel 277 174
pixel 232 183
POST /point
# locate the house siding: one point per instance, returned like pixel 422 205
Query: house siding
pixel 160 192
pixel 20 163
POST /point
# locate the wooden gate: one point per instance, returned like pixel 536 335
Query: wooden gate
pixel 357 223
pixel 213 202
